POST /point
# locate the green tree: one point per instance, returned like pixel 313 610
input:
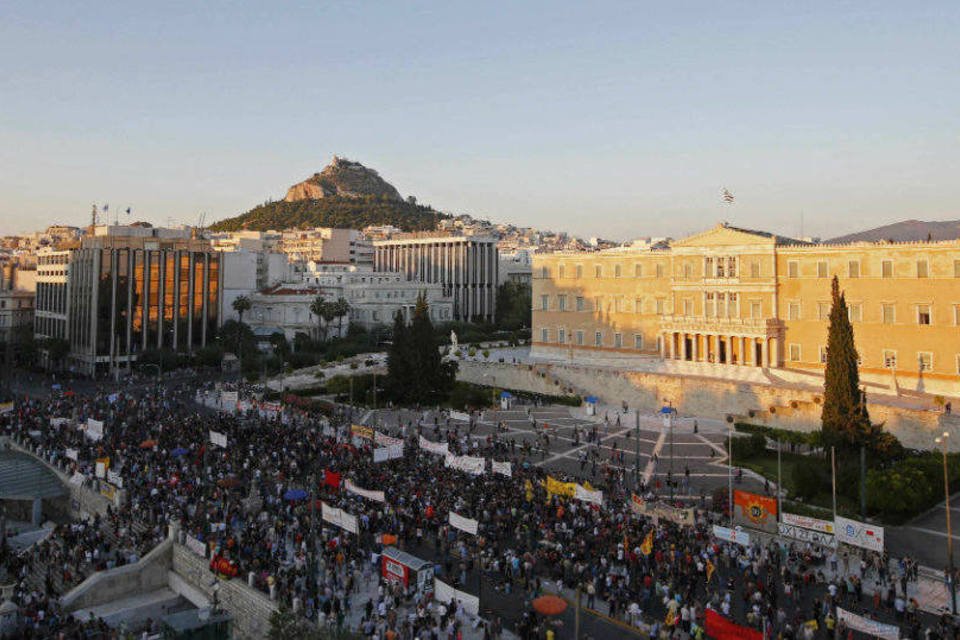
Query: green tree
pixel 844 419
pixel 320 308
pixel 432 379
pixel 340 308
pixel 240 304
pixel 399 364
pixel 514 303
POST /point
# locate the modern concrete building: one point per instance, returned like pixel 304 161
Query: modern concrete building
pixel 737 297
pixel 246 272
pixel 467 267
pixel 128 289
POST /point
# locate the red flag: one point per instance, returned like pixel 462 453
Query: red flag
pixel 331 478
pixel 722 629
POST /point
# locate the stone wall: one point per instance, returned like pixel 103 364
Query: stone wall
pixel 250 609
pixel 794 406
pixel 149 574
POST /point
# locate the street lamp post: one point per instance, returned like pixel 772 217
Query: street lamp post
pixel 942 441
pixel 637 452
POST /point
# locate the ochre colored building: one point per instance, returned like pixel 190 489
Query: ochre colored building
pixel 738 297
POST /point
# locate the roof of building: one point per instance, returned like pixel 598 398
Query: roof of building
pixel 23 477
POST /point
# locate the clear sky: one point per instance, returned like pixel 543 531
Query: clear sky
pixel 607 119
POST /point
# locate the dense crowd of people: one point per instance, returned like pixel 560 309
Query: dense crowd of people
pixel 255 506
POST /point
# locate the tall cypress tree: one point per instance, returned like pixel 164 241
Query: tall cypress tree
pixel 399 365
pixel 432 379
pixel 844 420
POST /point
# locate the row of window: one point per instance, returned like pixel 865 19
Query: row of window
pixel 598 339
pixel 619 304
pixel 923 313
pixel 728 267
pixel 921 269
pixel 923 362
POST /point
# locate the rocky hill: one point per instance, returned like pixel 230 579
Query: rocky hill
pixel 345 194
pixel 343 178
pixel 906 231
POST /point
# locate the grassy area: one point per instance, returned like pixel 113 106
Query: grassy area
pixel 820 505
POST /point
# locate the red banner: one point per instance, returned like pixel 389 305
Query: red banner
pixel 719 628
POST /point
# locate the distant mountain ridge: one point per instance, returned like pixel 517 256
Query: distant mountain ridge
pixel 906 231
pixel 345 194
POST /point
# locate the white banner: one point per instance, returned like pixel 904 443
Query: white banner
pixel 77 478
pixel 805 522
pixel 593 497
pixel 731 535
pixel 806 535
pixel 197 546
pixel 377 496
pixel 442 592
pixel 72 454
pixel 338 517
pixel 464 524
pixel 115 479
pixel 219 439
pixel 384 440
pixel 460 415
pixel 94 429
pixel 59 422
pixel 228 401
pixel 859 534
pixel 101 471
pixel 867 626
pixel 469 464
pixel 382 454
pixel 439 448
pixel 503 468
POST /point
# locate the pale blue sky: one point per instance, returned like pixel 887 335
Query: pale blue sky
pixel 598 118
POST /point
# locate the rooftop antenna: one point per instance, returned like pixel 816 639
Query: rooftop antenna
pixel 93 216
pixel 801 224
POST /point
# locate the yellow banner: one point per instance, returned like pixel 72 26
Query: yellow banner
pixel 555 487
pixel 361 431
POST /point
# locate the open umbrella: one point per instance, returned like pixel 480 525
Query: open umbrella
pixel 179 451
pixel 549 605
pixel 294 494
pixel 148 444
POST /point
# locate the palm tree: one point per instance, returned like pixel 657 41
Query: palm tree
pixel 319 308
pixel 342 308
pixel 240 304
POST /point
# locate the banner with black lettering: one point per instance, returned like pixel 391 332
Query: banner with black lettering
pixel 338 517
pixel 468 464
pixel 503 468
pixel 382 454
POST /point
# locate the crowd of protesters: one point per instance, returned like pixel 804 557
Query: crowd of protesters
pixel 255 506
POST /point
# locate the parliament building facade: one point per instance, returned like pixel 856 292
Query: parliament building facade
pixel 746 298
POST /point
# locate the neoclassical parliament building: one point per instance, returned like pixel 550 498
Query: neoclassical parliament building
pixel 744 298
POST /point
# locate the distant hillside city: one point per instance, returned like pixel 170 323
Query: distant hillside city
pixel 344 235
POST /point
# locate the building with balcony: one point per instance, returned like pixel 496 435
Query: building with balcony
pixel 739 297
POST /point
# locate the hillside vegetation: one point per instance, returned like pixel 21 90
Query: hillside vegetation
pixel 335 211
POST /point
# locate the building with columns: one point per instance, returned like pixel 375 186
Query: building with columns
pixel 739 297
pixel 466 266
